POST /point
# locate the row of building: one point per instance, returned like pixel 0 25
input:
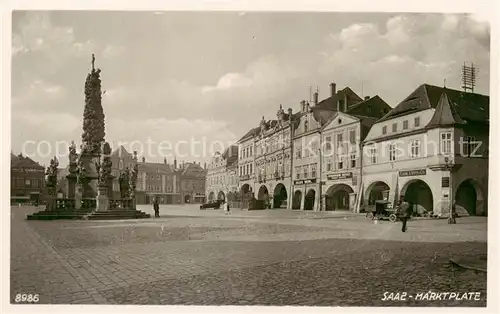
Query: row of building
pixel 345 152
pixel 169 183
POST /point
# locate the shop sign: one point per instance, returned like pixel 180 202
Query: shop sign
pixel 411 173
pixel 339 176
pixel 299 182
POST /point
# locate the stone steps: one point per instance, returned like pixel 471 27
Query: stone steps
pixel 52 215
pixel 118 214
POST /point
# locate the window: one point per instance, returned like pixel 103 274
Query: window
pixel 251 166
pixel 445 143
pixel 297 172
pixel 353 160
pixel 352 136
pixel 329 165
pixel 314 148
pixel 298 152
pixel 305 170
pixel 392 152
pixel 373 155
pixel 328 143
pixel 415 149
pixel 384 129
pixel 306 125
pixel 340 162
pixel 470 145
pixel 27 183
pixel 313 170
pixel 394 127
pixel 405 124
pixel 339 139
pixel 251 150
pixel 120 164
pixel 417 121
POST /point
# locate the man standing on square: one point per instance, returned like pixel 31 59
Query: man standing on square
pixel 405 213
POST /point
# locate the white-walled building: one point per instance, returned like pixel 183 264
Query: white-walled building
pixel 422 150
pixel 341 139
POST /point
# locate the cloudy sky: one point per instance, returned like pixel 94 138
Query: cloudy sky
pixel 179 76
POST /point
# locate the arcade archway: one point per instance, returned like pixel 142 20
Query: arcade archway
pixel 221 196
pixel 469 197
pixel 377 191
pixel 338 197
pixel 280 196
pixel 297 199
pixel 187 198
pixel 419 195
pixel 211 196
pixel 309 200
pixel 245 192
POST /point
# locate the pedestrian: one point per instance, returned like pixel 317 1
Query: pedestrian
pixel 156 208
pixel 225 208
pixel 228 208
pixel 405 213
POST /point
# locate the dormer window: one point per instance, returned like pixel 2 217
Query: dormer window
pixel 395 127
pixel 384 130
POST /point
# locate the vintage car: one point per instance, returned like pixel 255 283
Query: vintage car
pixel 382 210
pixel 212 204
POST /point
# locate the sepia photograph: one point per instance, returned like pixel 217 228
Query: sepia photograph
pixel 249 158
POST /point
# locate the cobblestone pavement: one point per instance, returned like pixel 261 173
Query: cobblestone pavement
pixel 245 259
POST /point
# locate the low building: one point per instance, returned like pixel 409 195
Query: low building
pixel 154 180
pixel 193 179
pixel 432 148
pixel 27 180
pixel 246 164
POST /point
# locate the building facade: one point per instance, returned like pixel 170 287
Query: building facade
pixel 193 179
pixel 154 180
pixel 307 146
pixel 246 164
pixel 222 179
pixel 432 148
pixel 341 152
pixel 27 180
pixel 273 161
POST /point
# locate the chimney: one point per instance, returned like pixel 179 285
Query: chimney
pixel 290 111
pixel 315 97
pixel 205 166
pixel 143 159
pixel 303 105
pixel 175 163
pixel 367 97
pixel 333 89
pixel 165 160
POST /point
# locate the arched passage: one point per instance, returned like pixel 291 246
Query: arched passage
pixel 377 191
pixel 230 196
pixel 297 199
pixel 419 195
pixel 245 188
pixel 263 194
pixel 309 200
pixel 245 192
pixel 221 196
pixel 187 198
pixel 469 197
pixel 211 196
pixel 338 197
pixel 280 196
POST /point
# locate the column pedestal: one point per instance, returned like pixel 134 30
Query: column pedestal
pixel 51 199
pixel 102 199
pixel 78 196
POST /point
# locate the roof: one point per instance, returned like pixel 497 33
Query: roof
pixel 468 106
pixel 193 169
pixel 331 102
pixel 231 155
pixel 120 151
pixel 21 161
pixel 445 114
pixel 374 107
pixel 155 167
pixel 250 134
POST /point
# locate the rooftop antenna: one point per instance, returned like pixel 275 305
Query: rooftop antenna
pixel 469 77
pixel 444 84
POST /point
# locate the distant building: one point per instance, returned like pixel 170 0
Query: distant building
pixel 192 183
pixel 432 148
pixel 27 180
pixel 154 180
pixel 222 180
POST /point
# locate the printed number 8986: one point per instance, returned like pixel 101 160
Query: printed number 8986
pixel 27 298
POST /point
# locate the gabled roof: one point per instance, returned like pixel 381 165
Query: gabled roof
pixel 155 167
pixel 250 134
pixel 331 102
pixel 469 106
pixel 120 151
pixel 374 107
pixel 445 114
pixel 21 161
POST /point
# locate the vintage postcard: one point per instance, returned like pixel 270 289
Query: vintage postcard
pixel 223 156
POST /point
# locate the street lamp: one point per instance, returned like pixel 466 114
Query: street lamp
pixel 449 166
